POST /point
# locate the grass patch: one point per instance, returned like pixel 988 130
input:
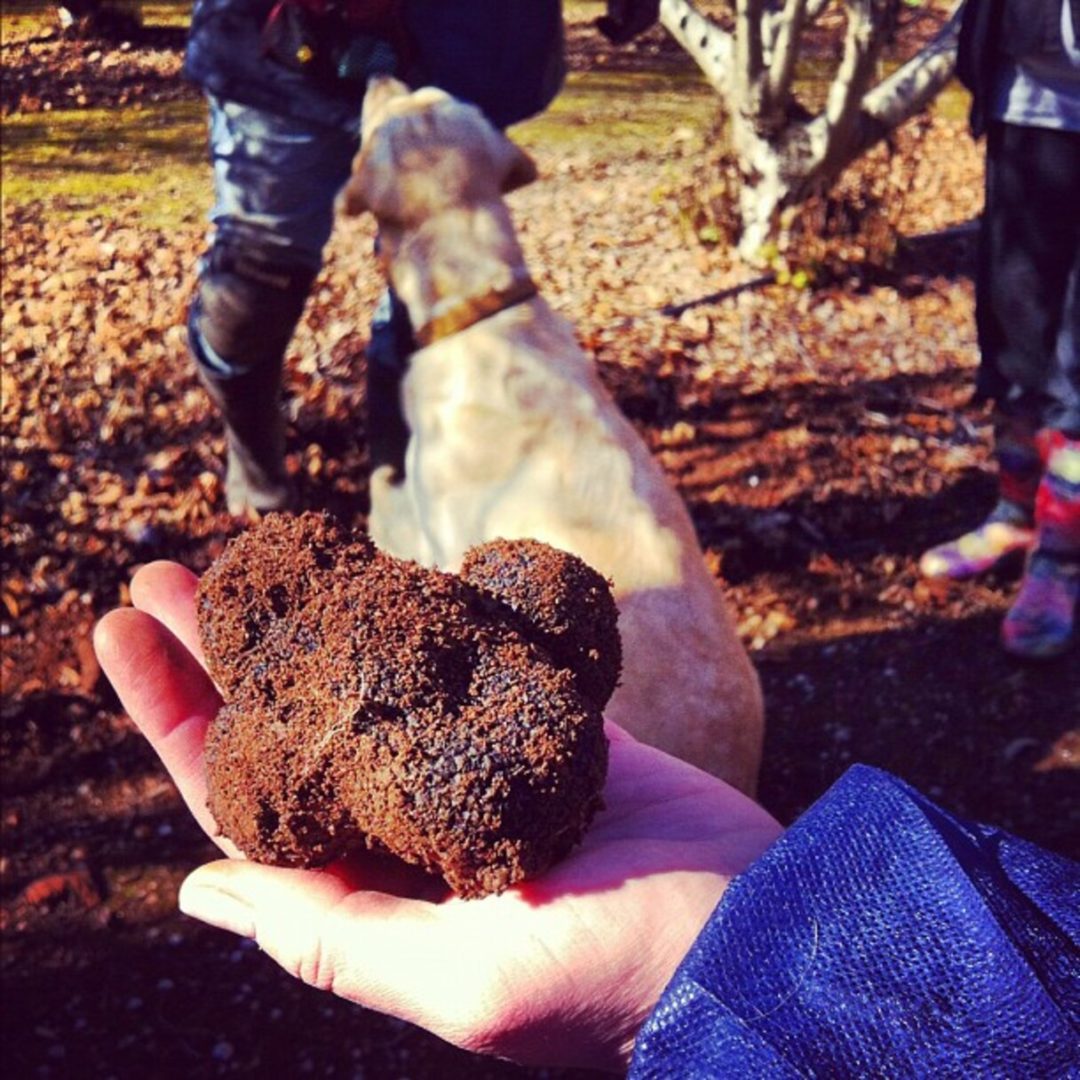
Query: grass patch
pixel 584 8
pixel 85 161
pixel 166 13
pixel 88 161
pixel 620 114
pixel 953 103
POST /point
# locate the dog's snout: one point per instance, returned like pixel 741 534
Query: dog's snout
pixel 381 91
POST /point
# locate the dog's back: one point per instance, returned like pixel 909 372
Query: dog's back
pixel 512 435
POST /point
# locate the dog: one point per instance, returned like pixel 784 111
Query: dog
pixel 512 435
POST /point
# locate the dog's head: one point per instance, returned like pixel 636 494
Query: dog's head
pixel 424 152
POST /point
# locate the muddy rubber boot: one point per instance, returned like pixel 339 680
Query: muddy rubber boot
pixel 1008 531
pixel 255 476
pixel 239 325
pixel 1042 621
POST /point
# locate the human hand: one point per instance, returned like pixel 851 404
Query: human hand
pixel 625 19
pixel 559 970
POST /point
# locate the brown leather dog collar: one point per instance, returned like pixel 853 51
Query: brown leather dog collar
pixel 474 309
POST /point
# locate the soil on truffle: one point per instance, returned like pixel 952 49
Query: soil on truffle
pixel 454 721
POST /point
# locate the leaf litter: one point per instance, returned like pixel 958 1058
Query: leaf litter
pixel 821 436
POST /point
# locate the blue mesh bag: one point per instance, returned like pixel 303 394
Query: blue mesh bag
pixel 880 937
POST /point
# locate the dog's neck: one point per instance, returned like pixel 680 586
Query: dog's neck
pixel 459 257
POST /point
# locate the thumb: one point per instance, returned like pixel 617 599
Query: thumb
pixel 280 909
pixel 319 927
pixel 290 913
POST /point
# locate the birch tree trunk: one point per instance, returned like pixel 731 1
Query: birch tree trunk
pixel 783 156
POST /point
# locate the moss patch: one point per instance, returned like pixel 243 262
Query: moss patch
pixel 85 160
pixel 621 114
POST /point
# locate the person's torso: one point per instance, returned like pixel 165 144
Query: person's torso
pixel 1038 84
pixel 504 55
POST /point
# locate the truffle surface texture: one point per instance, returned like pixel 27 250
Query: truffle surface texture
pixel 455 721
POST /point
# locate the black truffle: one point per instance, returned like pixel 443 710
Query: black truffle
pixel 455 721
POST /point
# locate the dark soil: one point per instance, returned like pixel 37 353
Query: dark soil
pixel 821 438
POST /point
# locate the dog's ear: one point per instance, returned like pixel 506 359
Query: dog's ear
pixel 515 168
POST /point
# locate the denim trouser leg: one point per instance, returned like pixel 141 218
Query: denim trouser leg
pixel 1029 265
pixel 275 183
pixel 391 344
pixel 276 178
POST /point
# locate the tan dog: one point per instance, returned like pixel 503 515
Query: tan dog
pixel 512 434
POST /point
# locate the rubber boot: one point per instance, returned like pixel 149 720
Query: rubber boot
pixel 249 405
pixel 250 296
pixel 255 476
pixel 1008 530
pixel 1042 621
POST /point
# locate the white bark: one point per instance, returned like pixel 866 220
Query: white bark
pixel 712 48
pixel 912 87
pixel 783 55
pixel 783 159
pixel 749 61
pixel 862 47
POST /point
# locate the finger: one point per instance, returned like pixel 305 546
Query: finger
pixel 166 692
pixel 166 590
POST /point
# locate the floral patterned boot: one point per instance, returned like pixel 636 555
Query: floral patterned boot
pixel 1009 529
pixel 1042 620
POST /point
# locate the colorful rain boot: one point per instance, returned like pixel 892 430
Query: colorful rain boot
pixel 1042 620
pixel 1008 530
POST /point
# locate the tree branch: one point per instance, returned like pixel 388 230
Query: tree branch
pixel 784 53
pixel 711 47
pixel 884 107
pixel 749 62
pixel 863 42
pixel 914 85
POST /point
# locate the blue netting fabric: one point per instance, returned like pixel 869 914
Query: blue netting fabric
pixel 881 936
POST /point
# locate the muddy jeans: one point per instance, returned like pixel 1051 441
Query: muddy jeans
pixel 275 181
pixel 275 178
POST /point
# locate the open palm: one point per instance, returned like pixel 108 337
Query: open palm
pixel 559 970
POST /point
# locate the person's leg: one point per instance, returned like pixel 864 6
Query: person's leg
pixel 1041 621
pixel 1024 261
pixel 387 356
pixel 1032 227
pixel 275 182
